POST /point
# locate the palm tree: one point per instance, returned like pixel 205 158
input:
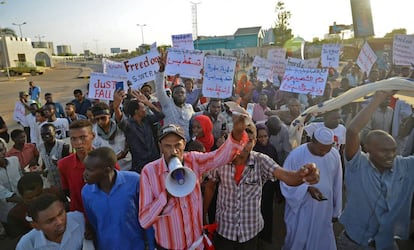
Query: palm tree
pixel 7 32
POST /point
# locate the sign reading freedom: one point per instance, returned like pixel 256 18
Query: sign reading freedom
pixel 141 69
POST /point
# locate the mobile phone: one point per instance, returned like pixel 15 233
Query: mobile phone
pixel 322 198
pixel 119 86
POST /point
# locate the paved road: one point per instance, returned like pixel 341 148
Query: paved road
pixel 59 81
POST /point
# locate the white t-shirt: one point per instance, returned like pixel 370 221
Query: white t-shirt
pixel 62 127
pixel 339 132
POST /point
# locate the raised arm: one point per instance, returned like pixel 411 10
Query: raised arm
pixel 360 121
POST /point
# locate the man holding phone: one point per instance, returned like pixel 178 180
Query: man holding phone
pixel 311 209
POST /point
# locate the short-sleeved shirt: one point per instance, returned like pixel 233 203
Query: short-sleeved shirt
pixel 82 107
pixel 238 204
pixel 378 204
pixel 72 238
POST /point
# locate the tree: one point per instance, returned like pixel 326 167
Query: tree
pixel 7 32
pixel 282 31
pixel 400 31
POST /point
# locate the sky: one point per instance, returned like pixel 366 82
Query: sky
pixel 99 25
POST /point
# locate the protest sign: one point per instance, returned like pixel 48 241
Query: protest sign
pixel 299 63
pixel 279 67
pixel 184 41
pixel 102 86
pixel 330 55
pixel 304 80
pixel 366 58
pixel 276 54
pixel 113 68
pixel 218 76
pixel 265 71
pixel 403 49
pixel 141 69
pixel 258 61
pixel 153 47
pixel 187 63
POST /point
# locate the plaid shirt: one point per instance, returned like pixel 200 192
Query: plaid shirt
pixel 178 221
pixel 238 205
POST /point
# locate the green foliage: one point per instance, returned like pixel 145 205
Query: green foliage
pixel 7 32
pixel 282 31
pixel 400 31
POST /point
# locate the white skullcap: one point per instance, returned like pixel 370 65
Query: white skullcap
pixel 324 135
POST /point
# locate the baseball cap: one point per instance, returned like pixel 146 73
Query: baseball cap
pixel 23 93
pixel 171 129
pixel 324 136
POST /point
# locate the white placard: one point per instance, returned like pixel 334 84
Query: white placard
pixel 187 63
pixel 304 80
pixel 258 61
pixel 265 71
pixel 276 54
pixel 113 68
pixel 279 67
pixel 141 69
pixel 218 76
pixel 330 55
pixel 102 86
pixel 366 58
pixel 183 41
pixel 299 63
pixel 403 49
pixel 153 47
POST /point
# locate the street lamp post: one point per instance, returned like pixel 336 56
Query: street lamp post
pixel 142 31
pixel 40 38
pixel 20 27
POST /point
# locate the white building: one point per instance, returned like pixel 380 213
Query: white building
pixel 17 50
pixel 63 49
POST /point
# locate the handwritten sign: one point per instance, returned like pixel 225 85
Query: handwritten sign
pixel 276 54
pixel 184 41
pixel 403 49
pixel 153 47
pixel 187 63
pixel 113 68
pixel 330 55
pixel 258 61
pixel 304 80
pixel 102 86
pixel 141 69
pixel 218 76
pixel 279 67
pixel 299 63
pixel 366 58
pixel 265 72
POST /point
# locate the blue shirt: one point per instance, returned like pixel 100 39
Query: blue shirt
pixel 378 204
pixel 114 216
pixel 35 93
pixel 82 107
pixel 193 97
pixel 72 238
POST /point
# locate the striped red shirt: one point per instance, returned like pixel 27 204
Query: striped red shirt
pixel 179 223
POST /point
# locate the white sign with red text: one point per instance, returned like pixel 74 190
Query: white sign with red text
pixel 103 86
pixel 276 54
pixel 218 76
pixel 366 58
pixel 304 80
pixel 187 63
pixel 141 69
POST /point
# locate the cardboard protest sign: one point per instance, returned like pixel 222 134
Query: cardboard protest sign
pixel 403 49
pixel 258 61
pixel 304 80
pixel 187 63
pixel 102 86
pixel 366 58
pixel 330 55
pixel 113 68
pixel 276 54
pixel 141 69
pixel 218 76
pixel 184 41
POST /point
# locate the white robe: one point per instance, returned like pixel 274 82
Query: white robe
pixel 308 221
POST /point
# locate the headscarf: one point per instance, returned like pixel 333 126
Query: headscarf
pixel 207 126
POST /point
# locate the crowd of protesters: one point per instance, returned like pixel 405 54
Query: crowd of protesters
pixel 92 174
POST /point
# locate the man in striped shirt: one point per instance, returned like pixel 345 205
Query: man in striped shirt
pixel 178 221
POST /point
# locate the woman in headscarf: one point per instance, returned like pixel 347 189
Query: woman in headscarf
pixel 202 131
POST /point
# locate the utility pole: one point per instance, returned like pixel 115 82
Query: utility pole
pixel 142 32
pixel 40 38
pixel 195 21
